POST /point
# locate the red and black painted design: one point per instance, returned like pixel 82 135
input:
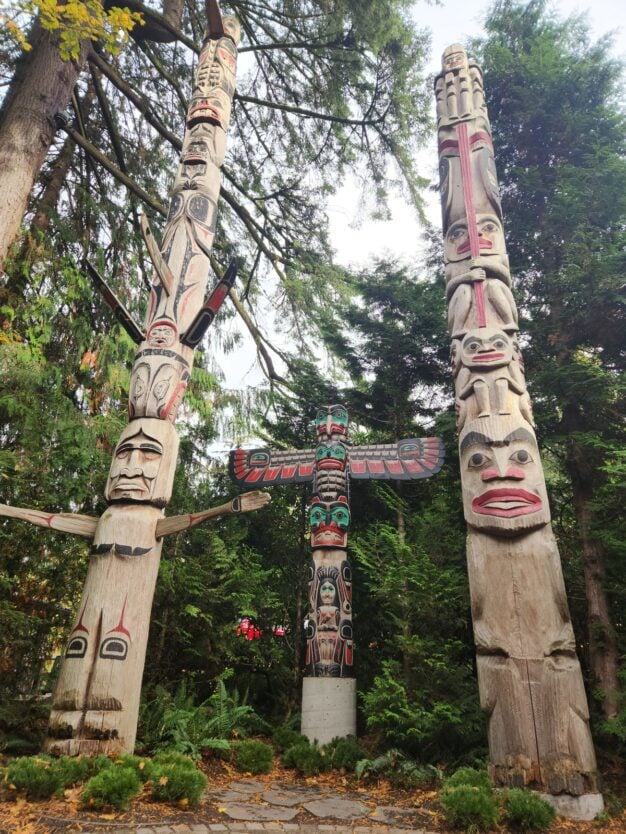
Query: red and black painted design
pixel 251 468
pixel 405 460
pixel 204 319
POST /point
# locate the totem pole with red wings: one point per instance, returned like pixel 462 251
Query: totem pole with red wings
pixel 330 467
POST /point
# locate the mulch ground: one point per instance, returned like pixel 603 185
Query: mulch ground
pixel 18 816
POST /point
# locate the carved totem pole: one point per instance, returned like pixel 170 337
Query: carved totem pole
pixel 95 705
pixel 329 687
pixel 529 676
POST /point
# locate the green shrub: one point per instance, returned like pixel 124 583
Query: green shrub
pixel 97 764
pixel 469 776
pixel 173 757
pixel 177 782
pixel 285 737
pixel 343 753
pixel 468 806
pixel 141 766
pixel 35 776
pixel 305 757
pixel 253 756
pixel 525 811
pixel 114 786
pixel 71 770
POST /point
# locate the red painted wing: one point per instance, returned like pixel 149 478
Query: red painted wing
pixel 254 468
pixel 402 461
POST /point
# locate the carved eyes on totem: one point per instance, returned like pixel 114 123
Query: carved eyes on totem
pixel 479 459
pixel 259 459
pixel 488 227
pixel 457 234
pixel 473 345
pixel 335 451
pixel 149 451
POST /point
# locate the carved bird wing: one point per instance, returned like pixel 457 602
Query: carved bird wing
pixel 405 460
pixel 78 525
pixel 266 467
pixel 240 504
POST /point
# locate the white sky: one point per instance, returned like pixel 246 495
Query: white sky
pixel 357 240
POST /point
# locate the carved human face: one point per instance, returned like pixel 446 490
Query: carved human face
pixel 331 420
pixel 143 464
pixel 486 347
pixel 329 523
pixel 490 238
pixel 330 456
pixel 454 57
pixel 503 485
pixel 327 592
pixel 162 334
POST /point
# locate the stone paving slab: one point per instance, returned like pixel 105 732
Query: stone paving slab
pixel 258 813
pixel 341 809
pixel 247 786
pixel 289 797
pixel 391 815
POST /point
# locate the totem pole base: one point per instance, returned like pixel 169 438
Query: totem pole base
pixel 328 708
pixel 584 808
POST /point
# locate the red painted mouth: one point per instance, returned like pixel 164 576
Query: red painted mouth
pixel 483 243
pixel 487 357
pixel 328 536
pixel 506 503
pixel 330 463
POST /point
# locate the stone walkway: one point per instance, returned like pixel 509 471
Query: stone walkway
pixel 247 805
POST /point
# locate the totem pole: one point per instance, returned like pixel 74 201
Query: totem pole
pixel 529 676
pixel 96 701
pixel 329 687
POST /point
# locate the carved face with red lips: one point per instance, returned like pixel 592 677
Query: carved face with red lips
pixel 504 491
pixel 331 421
pixel 490 238
pixel 330 456
pixel 487 347
pixel 329 523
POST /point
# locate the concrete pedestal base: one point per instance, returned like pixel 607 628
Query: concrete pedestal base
pixel 328 708
pixel 583 807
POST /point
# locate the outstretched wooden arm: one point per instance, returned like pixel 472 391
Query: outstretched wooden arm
pixel 74 523
pixel 241 504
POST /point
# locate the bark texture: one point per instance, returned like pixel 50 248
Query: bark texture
pixel 41 88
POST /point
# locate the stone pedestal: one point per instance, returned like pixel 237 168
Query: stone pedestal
pixel 328 708
pixel 584 807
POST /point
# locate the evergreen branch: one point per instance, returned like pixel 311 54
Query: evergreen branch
pixel 309 114
pixel 97 155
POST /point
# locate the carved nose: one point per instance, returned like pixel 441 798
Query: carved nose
pixel 510 473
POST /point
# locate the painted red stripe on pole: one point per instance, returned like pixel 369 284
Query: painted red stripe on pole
pixel 468 191
pixel 479 300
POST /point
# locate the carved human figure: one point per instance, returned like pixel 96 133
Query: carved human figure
pixel 480 302
pixel 486 366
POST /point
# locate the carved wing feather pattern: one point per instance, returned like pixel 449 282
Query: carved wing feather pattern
pixel 253 468
pixel 405 460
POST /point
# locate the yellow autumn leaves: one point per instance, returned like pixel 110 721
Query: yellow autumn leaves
pixel 74 21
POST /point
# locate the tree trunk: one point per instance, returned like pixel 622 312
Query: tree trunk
pixel 40 89
pixel 603 650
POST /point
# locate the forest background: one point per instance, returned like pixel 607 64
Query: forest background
pixel 325 91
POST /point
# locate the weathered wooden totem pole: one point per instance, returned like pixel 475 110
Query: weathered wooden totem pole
pixel 329 687
pixel 95 705
pixel 530 680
